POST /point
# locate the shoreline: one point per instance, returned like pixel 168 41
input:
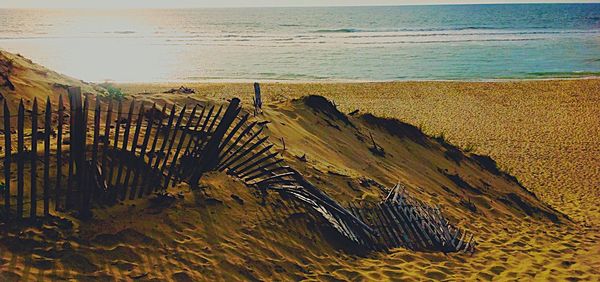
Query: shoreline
pixel 343 81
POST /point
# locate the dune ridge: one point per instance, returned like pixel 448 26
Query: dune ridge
pixel 223 231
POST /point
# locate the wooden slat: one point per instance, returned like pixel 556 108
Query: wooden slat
pixel 390 226
pixel 82 172
pixel 134 144
pixel 73 106
pixel 112 191
pixel 140 165
pixel 214 120
pixel 7 156
pixel 106 147
pixel 59 162
pixel 194 131
pixel 238 155
pixel 124 152
pixel 256 163
pixel 210 158
pixel 179 146
pixel 21 158
pixel 276 177
pixel 171 140
pixel 95 143
pixel 151 154
pixel 262 170
pixel 163 146
pixel 47 129
pixel 389 239
pixel 399 225
pixel 237 140
pixel 204 134
pixel 233 132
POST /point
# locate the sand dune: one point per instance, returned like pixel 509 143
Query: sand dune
pixel 223 232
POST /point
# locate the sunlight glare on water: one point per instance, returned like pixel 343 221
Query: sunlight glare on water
pixel 358 43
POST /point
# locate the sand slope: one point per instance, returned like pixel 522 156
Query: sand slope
pixel 223 232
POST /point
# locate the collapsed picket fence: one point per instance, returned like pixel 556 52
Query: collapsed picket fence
pixel 121 155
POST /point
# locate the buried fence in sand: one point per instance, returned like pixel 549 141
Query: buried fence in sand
pixel 142 151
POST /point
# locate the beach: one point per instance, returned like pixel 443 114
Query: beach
pixel 544 132
pixel 543 225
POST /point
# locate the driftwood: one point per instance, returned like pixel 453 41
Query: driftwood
pixel 181 90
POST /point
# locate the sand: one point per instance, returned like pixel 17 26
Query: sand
pixel 544 132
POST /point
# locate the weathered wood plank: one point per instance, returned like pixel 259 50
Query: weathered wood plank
pixel 122 186
pixel 47 130
pixel 256 163
pixel 236 156
pixel 105 148
pixel 172 139
pixel 59 161
pixel 262 170
pixel 194 131
pixel 7 157
pixel 112 190
pixel 20 158
pixel 134 145
pixel 141 164
pixel 233 132
pixel 210 158
pixel 151 154
pixel 204 135
pixel 161 153
pixel 237 140
pixel 179 146
pixel 82 171
pixel 96 141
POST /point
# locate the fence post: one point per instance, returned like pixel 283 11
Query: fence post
pixel 257 99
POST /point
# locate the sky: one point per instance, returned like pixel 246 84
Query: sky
pixel 240 3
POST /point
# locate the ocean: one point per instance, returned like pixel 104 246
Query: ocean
pixel 450 42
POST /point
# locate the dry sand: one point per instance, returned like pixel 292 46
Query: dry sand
pixel 544 132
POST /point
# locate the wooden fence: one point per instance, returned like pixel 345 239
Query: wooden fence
pixel 95 152
pixel 92 152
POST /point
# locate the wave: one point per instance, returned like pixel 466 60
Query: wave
pixel 446 31
pixel 355 30
pixel 446 41
pixel 563 74
pixel 341 30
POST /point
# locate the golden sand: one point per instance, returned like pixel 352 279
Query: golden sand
pixel 544 132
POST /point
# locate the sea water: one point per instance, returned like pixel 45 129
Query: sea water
pixel 466 42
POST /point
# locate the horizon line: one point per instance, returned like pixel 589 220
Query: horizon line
pixel 307 6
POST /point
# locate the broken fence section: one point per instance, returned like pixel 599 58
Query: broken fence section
pixel 97 152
